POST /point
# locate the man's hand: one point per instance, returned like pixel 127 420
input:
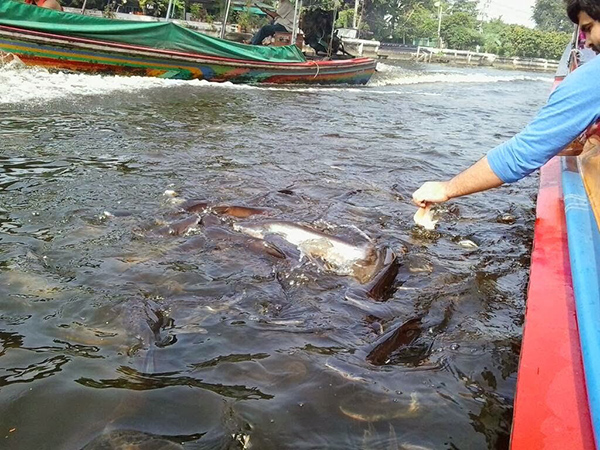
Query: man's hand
pixel 431 192
pixel 479 177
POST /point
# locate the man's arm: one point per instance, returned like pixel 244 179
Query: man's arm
pixel 271 14
pixel 479 177
pixel 572 107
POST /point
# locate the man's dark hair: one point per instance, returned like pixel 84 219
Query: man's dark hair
pixel 591 7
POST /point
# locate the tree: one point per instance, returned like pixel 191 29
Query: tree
pixel 197 12
pixel 158 8
pixel 408 20
pixel 553 44
pixel 467 6
pixel 550 15
pixel 386 17
pixel 460 31
pixel 494 33
pixel 527 43
pixel 345 18
pixel 417 24
pixel 377 16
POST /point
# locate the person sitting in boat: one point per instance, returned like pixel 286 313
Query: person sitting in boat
pixel 283 20
pixel 572 108
pixel 50 4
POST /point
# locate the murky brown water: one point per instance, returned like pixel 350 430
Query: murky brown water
pixel 110 330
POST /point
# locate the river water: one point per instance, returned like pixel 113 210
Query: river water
pixel 113 330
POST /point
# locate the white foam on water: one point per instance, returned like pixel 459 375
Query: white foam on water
pixel 34 85
pixel 389 75
pixel 20 84
pixel 397 76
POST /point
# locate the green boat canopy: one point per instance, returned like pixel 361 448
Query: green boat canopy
pixel 239 5
pixel 252 10
pixel 159 35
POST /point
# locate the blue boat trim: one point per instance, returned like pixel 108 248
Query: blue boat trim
pixel 584 253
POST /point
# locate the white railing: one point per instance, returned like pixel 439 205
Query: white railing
pixel 360 47
pixel 433 54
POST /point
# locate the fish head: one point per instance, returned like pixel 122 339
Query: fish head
pixel 194 206
pixel 365 269
pixel 241 212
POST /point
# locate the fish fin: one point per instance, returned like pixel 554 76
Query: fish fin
pixel 402 336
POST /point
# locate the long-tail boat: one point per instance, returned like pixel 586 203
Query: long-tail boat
pixel 73 42
pixel 557 403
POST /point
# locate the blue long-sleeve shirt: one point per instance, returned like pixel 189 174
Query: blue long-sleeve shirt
pixel 572 107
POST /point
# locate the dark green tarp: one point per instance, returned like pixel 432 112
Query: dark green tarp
pixel 162 35
pixel 241 5
pixel 252 10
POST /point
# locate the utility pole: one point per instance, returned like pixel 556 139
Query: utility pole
pixel 439 33
pixel 224 27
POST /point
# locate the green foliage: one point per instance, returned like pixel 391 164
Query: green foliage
pixel 158 8
pixel 153 7
pixel 108 12
pixel 524 42
pixel 465 6
pixel 385 17
pixel 197 12
pixel 494 37
pixel 551 15
pixel 328 4
pixel 536 43
pixel 413 20
pixel 246 20
pixel 418 24
pixel 514 40
pixel 553 44
pixel 533 43
pixel 460 31
pixel 345 18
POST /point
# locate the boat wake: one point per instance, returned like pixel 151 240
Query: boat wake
pixel 36 85
pixel 388 75
pixel 20 84
pixel 32 85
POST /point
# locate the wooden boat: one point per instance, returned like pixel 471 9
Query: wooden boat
pixel 557 404
pixel 64 41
